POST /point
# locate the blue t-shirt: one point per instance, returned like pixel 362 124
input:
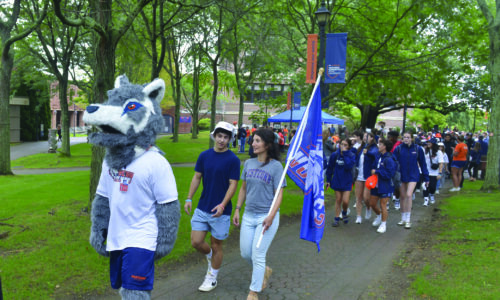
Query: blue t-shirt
pixel 216 169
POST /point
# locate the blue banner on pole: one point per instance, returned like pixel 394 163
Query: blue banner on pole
pixel 296 100
pixel 335 58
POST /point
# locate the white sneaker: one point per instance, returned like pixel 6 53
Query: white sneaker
pixel 417 191
pixel 358 219
pixel 381 228
pixel 377 221
pixel 208 284
pixel 437 192
pixel 426 201
pixel 407 225
pixel 433 200
pixel 401 223
pixel 354 205
pixel 368 214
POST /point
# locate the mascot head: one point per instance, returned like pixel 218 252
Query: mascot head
pixel 128 122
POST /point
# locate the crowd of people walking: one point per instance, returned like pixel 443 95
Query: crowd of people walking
pixel 380 168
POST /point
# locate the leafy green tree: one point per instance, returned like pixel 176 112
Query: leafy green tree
pixel 10 32
pixel 427 118
pixel 108 22
pixel 57 41
pixel 492 16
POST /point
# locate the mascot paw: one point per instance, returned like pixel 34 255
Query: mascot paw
pixel 97 241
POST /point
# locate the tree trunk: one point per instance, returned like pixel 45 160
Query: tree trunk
pixel 196 95
pixel 213 103
pixel 63 101
pixel 5 73
pixel 369 116
pixel 491 181
pixel 104 72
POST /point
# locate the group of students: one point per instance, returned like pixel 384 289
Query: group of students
pixel 381 168
pixel 219 171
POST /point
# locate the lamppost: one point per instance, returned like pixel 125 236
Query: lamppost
pixel 322 14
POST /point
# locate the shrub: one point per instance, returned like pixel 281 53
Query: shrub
pixel 204 124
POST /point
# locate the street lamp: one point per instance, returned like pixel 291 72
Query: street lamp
pixel 322 14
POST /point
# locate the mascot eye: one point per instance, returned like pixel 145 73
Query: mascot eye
pixel 132 106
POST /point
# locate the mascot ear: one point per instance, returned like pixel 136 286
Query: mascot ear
pixel 155 90
pixel 121 80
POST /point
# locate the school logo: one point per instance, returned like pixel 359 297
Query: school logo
pixel 124 177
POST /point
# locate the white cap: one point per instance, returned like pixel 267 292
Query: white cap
pixel 225 126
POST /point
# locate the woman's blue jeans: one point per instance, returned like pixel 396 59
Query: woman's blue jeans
pixel 251 228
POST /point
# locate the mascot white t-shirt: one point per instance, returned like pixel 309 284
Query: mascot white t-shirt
pixel 132 193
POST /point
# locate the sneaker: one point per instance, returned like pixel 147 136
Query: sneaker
pixel 426 201
pixel 407 225
pixel 381 228
pixel 417 191
pixel 387 205
pixel 336 222
pixel 368 214
pixel 208 284
pixel 345 217
pixel 397 204
pixel 354 205
pixel 377 221
pixel 359 219
pixel 437 192
pixel 401 223
pixel 433 200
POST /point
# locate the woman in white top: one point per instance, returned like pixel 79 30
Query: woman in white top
pixel 435 162
pixel 446 161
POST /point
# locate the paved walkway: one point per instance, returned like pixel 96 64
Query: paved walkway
pixel 30 148
pixel 353 258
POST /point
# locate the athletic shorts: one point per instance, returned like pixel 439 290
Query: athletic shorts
pixel 218 227
pixel 132 268
pixel 458 164
pixel 374 192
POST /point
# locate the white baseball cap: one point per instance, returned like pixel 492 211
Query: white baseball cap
pixel 224 126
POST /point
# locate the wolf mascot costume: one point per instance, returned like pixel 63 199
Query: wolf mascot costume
pixel 135 213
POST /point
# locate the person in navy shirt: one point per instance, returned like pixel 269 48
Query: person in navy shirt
pixel 385 170
pixel 219 168
pixel 369 163
pixel 339 177
pixel 411 160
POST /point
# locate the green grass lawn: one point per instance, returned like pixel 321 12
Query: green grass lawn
pixel 47 253
pixel 468 260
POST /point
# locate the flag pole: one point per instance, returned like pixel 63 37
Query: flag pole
pixel 294 146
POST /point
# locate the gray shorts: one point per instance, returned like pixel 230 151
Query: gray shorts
pixel 218 227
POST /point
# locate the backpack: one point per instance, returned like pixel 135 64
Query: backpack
pixel 396 179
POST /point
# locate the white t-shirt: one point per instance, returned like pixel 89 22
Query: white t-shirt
pixel 360 168
pixel 133 193
pixel 438 159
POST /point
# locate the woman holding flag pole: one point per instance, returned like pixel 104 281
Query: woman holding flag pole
pixel 260 181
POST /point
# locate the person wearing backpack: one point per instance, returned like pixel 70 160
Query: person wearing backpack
pixel 410 157
pixel 339 177
pixel 435 161
pixel 385 170
pixel 369 158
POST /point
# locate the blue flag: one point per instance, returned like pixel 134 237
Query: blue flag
pixel 335 60
pixel 306 170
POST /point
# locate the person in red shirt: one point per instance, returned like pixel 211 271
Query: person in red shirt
pixel 458 163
